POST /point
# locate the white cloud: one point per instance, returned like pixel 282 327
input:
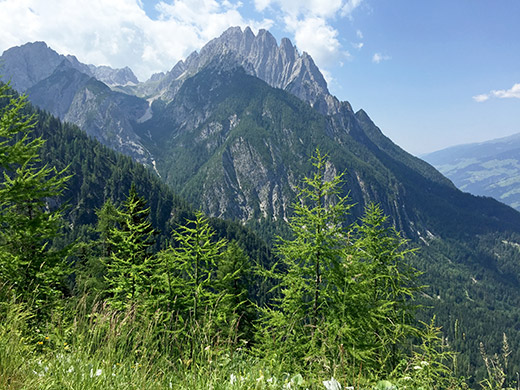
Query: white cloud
pixel 310 22
pixel 378 57
pixel 349 7
pixel 118 32
pixel 317 38
pixel 513 92
pixel 481 98
pixel 261 5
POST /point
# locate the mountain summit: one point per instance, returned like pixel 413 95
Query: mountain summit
pixel 280 66
pixel 79 93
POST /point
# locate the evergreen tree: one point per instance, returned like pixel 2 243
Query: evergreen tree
pixel 311 265
pixel 390 282
pixel 95 252
pixel 190 270
pixel 233 280
pixel 131 265
pixel 29 219
pixel 343 292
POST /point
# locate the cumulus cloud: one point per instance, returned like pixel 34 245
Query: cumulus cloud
pixel 119 32
pixel 378 57
pixel 349 7
pixel 513 92
pixel 317 38
pixel 310 23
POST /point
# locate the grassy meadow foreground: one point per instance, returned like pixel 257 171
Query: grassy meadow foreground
pixel 118 309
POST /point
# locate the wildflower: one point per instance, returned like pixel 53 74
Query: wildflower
pixel 424 363
pixel 40 343
pixel 333 384
pixel 70 370
pixel 417 367
pixel 46 337
pixel 233 379
pixel 97 373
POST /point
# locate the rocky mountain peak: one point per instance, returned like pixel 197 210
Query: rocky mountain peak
pixel 112 76
pixel 33 62
pixel 281 66
pixel 28 64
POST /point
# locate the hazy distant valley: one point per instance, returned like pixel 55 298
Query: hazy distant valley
pixel 489 168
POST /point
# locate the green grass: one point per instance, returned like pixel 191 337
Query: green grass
pixel 97 348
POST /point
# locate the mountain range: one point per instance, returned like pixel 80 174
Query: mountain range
pixel 231 129
pixel 489 168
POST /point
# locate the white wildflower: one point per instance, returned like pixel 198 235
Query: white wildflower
pixel 233 379
pixel 333 384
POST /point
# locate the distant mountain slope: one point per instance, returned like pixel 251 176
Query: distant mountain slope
pixel 100 174
pixel 489 168
pixel 31 63
pixel 238 147
pixel 78 93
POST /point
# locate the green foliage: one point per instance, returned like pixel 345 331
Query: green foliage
pixel 131 265
pixel 309 267
pixel 202 302
pixel 390 281
pixel 29 221
pixel 344 303
pixel 343 291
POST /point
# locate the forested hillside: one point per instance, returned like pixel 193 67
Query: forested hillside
pixel 116 307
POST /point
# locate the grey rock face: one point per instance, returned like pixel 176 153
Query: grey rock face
pixel 113 76
pixel 74 92
pixel 280 66
pixel 31 63
pixel 108 116
pixel 56 92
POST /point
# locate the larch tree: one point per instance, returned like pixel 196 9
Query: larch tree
pixel 29 218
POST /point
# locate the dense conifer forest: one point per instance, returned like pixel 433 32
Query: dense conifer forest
pixel 109 280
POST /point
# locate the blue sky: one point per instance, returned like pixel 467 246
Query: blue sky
pixel 429 73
